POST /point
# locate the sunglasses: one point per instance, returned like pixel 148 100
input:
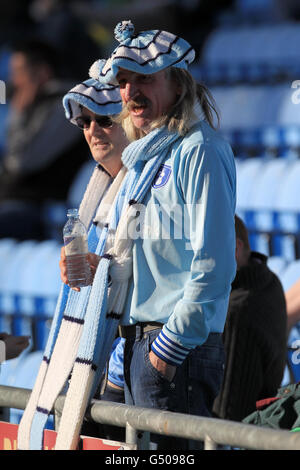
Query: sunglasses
pixel 84 122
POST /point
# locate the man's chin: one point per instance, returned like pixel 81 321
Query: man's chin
pixel 141 122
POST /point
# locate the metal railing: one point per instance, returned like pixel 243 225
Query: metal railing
pixel 139 422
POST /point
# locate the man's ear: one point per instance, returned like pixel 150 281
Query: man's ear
pixel 179 89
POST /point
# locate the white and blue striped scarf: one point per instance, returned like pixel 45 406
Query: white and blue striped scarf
pixel 85 323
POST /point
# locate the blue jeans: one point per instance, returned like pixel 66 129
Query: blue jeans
pixel 192 391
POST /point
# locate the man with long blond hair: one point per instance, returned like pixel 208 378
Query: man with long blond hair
pixel 183 250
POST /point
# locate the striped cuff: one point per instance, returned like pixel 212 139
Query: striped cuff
pixel 168 350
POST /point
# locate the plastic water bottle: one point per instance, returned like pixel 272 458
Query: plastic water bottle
pixel 76 249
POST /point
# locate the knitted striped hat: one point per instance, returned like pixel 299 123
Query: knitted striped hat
pixel 147 52
pixel 98 98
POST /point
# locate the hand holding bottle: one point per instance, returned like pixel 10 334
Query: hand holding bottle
pixel 92 259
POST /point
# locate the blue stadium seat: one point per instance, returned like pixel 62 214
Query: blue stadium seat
pixel 39 288
pixel 8 369
pixel 54 218
pixel 260 213
pixel 277 264
pixel 287 214
pixel 241 49
pixel 290 274
pixel 267 186
pixel 22 372
pixel 247 175
pixel 10 277
pixel 5 55
pixel 241 106
pixel 6 252
pixel 55 213
pixel 79 184
pixel 289 114
pixel 255 117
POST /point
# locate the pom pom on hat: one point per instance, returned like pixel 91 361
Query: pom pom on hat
pixel 124 30
pixel 95 68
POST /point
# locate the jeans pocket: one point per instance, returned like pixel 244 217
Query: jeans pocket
pixel 156 375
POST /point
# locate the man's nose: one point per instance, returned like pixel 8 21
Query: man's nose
pixel 130 91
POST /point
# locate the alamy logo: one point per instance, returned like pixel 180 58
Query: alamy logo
pixel 296 354
pixel 2 92
pixel 2 351
pixel 162 176
pixel 296 93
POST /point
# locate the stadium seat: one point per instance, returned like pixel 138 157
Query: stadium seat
pixel 267 186
pixel 39 289
pixel 287 214
pixel 79 184
pixel 289 111
pixel 277 264
pixel 5 55
pixel 240 48
pixel 54 218
pixel 10 276
pixel 55 213
pixel 22 372
pixel 290 274
pixel 6 252
pixel 247 174
pixel 260 212
pixel 258 118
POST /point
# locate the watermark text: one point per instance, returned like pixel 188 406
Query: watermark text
pixel 2 92
pixel 296 93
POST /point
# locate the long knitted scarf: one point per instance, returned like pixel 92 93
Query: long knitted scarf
pixel 85 323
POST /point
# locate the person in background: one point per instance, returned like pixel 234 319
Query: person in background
pixel 58 23
pixel 35 168
pixel 176 307
pixel 254 337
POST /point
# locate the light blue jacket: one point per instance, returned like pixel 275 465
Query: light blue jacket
pixel 184 255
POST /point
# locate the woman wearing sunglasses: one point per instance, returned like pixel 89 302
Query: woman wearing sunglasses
pixel 93 108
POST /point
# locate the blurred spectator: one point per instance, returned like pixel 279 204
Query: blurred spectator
pixel 56 23
pixel 254 337
pixel 43 153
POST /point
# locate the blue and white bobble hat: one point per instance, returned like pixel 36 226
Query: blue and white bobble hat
pixel 102 99
pixel 147 52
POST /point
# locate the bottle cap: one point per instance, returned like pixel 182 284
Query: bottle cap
pixel 72 212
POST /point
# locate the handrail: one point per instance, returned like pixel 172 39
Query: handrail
pixel 212 431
